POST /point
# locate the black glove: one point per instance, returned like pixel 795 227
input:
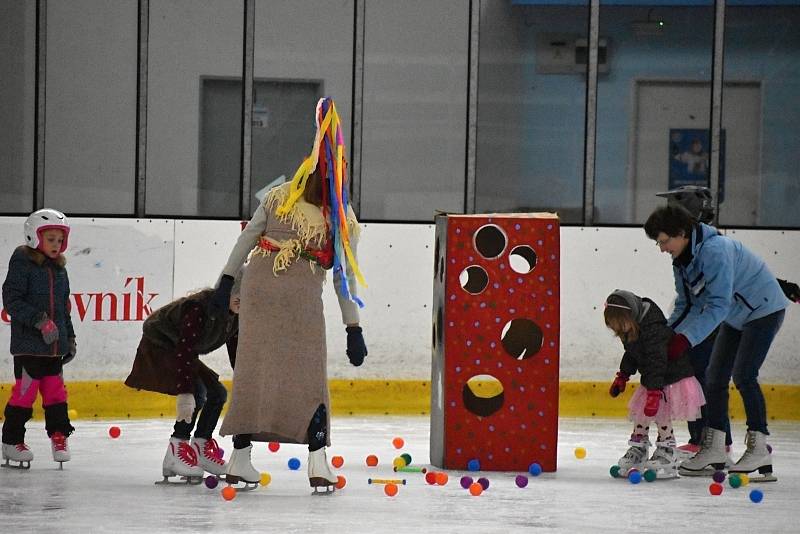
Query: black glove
pixel 220 301
pixel 790 289
pixel 73 350
pixel 356 349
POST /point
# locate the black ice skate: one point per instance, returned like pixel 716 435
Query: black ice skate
pixel 19 453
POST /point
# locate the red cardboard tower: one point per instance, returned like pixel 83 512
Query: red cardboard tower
pixel 494 385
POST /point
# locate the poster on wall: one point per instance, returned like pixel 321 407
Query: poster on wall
pixel 689 150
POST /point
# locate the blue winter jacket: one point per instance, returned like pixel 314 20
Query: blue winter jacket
pixel 35 284
pixel 723 282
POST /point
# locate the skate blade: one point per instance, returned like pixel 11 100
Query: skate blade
pixel 323 490
pixel 234 480
pixel 17 466
pixel 182 481
pixel 765 474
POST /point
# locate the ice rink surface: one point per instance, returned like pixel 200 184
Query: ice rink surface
pixel 108 487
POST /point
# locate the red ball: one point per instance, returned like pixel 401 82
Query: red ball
pixel 430 477
pixel 114 432
pixel 715 489
pixel 337 462
pixel 274 446
pixel 228 493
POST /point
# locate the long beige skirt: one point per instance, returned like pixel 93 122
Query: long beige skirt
pixel 281 374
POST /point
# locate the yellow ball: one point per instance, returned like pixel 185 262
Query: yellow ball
pixel 580 453
pixel 399 462
pixel 265 479
pixel 73 414
pixel 744 478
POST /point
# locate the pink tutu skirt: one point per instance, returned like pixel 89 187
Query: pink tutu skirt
pixel 683 401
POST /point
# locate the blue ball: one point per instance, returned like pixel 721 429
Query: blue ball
pixel 635 477
pixel 535 469
pixel 756 495
pixel 474 465
pixel 294 464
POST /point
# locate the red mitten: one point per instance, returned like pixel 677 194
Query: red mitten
pixel 653 400
pixel 618 385
pixel 678 344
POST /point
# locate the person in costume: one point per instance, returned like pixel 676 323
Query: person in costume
pixel 302 229
pixel 167 361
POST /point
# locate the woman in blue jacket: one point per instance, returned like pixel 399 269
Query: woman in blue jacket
pixel 721 283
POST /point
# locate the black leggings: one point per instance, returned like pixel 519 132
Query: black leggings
pixel 317 432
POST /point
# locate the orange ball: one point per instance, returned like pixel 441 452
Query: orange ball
pixel 372 460
pixel 390 489
pixel 475 489
pixel 340 482
pixel 441 478
pixel 337 462
pixel 398 443
pixel 228 493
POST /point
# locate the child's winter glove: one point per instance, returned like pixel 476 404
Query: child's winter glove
pixel 221 299
pixel 73 350
pixel 618 385
pixel 185 407
pixel 48 329
pixel 678 344
pixel 653 400
pixel 790 289
pixel 356 348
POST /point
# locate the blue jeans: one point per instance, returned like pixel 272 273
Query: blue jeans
pixel 700 355
pixel 740 354
pixel 209 398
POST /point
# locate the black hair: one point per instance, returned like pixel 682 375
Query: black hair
pixel 672 220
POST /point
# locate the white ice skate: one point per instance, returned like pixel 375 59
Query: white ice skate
pixel 19 453
pixel 664 461
pixel 319 473
pixel 209 456
pixel 240 469
pixel 756 457
pixel 635 457
pixel 58 444
pixel 180 460
pixel 710 458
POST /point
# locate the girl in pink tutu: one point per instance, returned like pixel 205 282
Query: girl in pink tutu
pixel 669 389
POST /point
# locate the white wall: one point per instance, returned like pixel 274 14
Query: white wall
pixel 176 256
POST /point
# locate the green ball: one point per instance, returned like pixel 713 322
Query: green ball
pixel 734 481
pixel 407 457
pixel 614 471
pixel 649 475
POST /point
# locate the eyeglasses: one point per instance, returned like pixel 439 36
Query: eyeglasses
pixel 662 242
